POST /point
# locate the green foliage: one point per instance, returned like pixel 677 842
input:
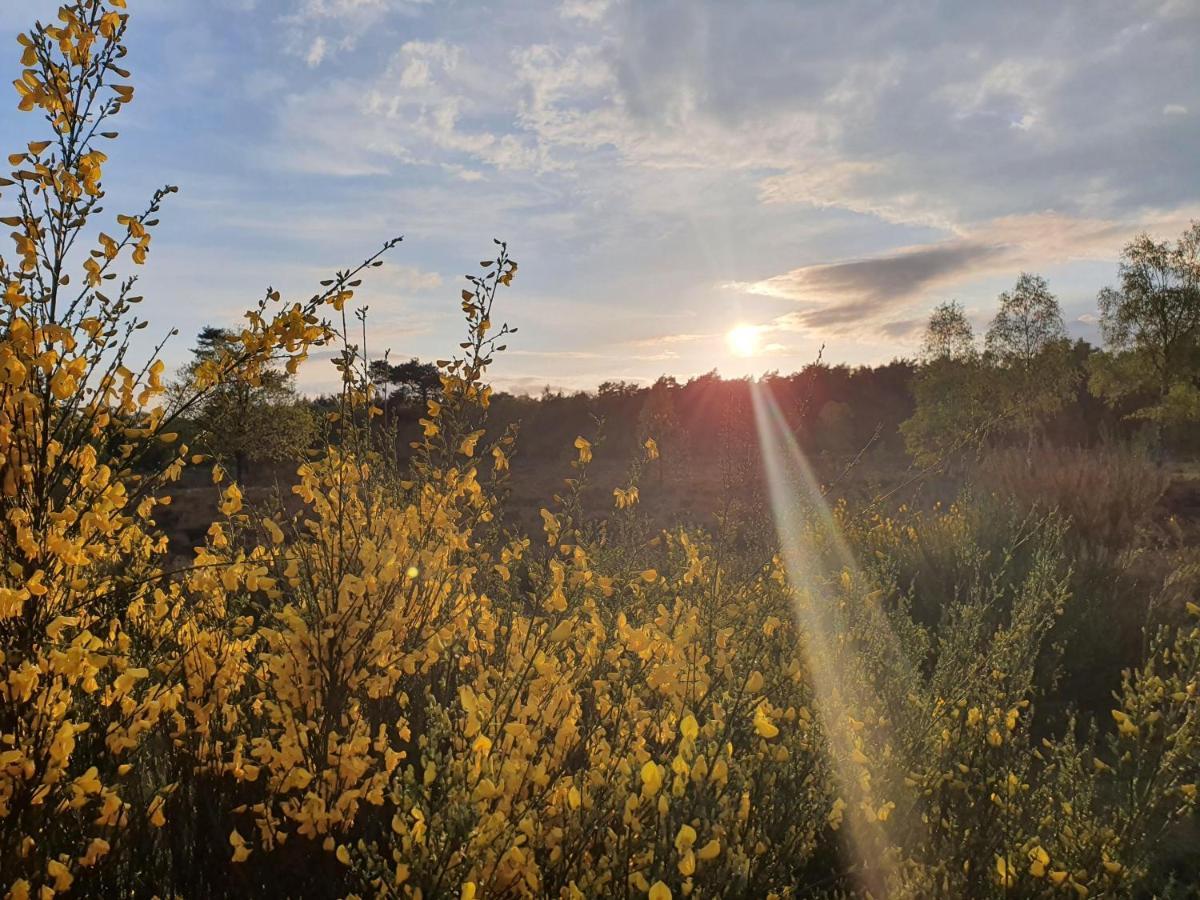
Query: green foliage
pixel 1028 343
pixel 948 335
pixel 1151 324
pixel 247 420
pixel 956 410
pixel 965 400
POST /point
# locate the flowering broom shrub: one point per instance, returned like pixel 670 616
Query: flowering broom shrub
pixel 387 691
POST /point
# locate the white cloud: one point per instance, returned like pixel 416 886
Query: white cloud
pixel 951 125
pixel 316 52
pixel 410 278
pixel 1014 91
pixel 588 10
pixel 312 28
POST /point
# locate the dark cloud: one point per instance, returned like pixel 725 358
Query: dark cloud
pixel 864 289
pixel 883 292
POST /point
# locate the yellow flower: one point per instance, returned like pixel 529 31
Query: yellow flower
pixel 763 724
pixel 156 372
pixel 689 728
pixel 1039 859
pixel 685 838
pixel 652 779
pixel 467 447
pixel 719 773
pixel 157 819
pixel 562 631
pixel 550 525
pixel 1125 725
pixel 275 532
pixel 232 501
pixel 1004 873
pixel 62 385
pixel 96 849
pixel 625 498
pixel 659 891
pixel 61 874
pixel 584 446
pixel 240 851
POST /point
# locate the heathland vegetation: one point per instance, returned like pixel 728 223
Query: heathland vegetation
pixel 929 630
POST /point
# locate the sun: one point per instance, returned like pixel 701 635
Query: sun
pixel 743 340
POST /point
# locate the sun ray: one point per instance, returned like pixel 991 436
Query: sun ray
pixel 816 558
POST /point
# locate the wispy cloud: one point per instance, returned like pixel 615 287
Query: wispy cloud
pixel 858 290
pixel 870 292
pixel 316 51
pixel 410 278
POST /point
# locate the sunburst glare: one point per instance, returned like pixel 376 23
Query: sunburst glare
pixel 744 340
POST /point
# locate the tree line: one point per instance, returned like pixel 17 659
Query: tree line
pixel 1024 380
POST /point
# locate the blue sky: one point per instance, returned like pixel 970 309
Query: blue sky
pixel 821 172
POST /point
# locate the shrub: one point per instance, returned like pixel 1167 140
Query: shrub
pixel 1107 493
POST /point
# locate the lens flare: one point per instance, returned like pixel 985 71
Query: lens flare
pixel 824 579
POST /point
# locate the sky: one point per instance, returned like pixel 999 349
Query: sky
pixel 802 174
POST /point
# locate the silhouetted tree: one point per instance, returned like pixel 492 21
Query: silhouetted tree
pixel 413 381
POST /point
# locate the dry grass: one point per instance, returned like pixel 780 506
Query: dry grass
pixel 1109 493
